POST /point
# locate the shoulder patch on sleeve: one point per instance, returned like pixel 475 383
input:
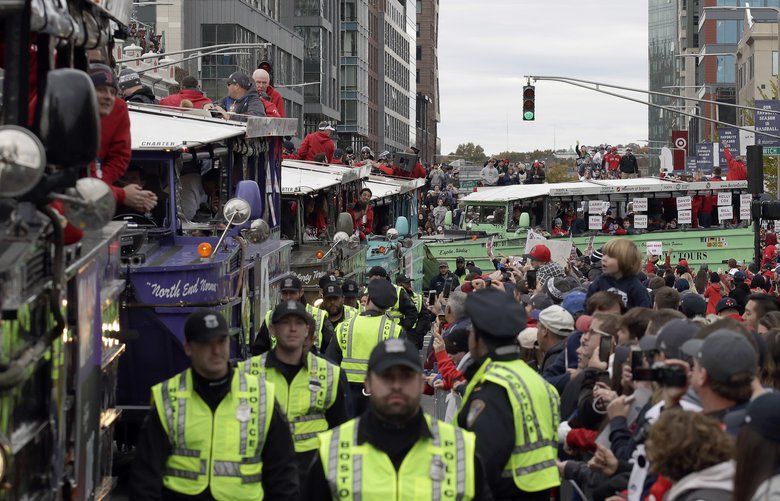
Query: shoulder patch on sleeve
pixel 475 409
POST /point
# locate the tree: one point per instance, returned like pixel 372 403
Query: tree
pixel 470 152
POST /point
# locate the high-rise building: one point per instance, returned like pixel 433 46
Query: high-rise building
pixel 187 24
pixel 353 130
pixel 662 40
pixel 318 23
pixel 427 57
pixel 756 64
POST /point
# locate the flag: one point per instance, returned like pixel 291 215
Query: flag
pixel 489 247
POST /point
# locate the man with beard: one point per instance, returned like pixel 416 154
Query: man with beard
pixel 333 303
pixel 394 450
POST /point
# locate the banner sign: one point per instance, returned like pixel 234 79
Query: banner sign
pixel 725 213
pixel 704 157
pixel 684 217
pixel 640 205
pixel 724 198
pixel 655 248
pixel 683 203
pixel 595 223
pixel 768 122
pixel 729 138
pixel 640 221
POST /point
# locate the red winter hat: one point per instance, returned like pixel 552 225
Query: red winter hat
pixel 684 262
pixel 540 253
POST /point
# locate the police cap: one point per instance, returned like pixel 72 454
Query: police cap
pixel 394 352
pixel 332 290
pixel 291 283
pixel 294 308
pixel 205 325
pixel 495 313
pixel 328 279
pixel 350 289
pixel 381 293
pixel 377 271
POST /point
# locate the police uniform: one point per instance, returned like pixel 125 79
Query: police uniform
pixel 351 292
pixel 423 458
pixel 355 339
pixel 424 316
pixel 311 393
pixel 323 330
pixel 334 289
pixel 506 398
pixel 205 439
pixel 403 309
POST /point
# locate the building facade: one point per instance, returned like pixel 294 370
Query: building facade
pixel 353 129
pixel 318 23
pixel 428 113
pixel 187 24
pixel 756 64
pixel 662 40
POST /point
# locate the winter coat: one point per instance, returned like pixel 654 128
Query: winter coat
pixel 196 97
pixel 439 213
pixel 630 290
pixel 114 154
pixel 314 143
pixel 489 175
pixel 250 104
pixel 628 164
pixel 768 490
pixel 277 99
pixel 535 176
pixel 710 484
pixel 144 95
pixel 737 169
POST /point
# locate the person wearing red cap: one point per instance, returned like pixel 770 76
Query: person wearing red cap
pixel 541 260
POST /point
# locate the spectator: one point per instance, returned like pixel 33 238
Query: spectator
pixel 604 302
pixel 620 264
pixel 737 168
pixel 541 260
pixel 693 453
pixel 757 306
pixel 628 165
pixel 133 91
pixel 633 325
pixel 660 318
pixel 536 175
pixel 693 306
pixel 488 176
pixel 242 99
pixel 666 297
pixel 190 91
pixel 728 308
pixel 757 475
pixel 439 213
pixel 558 230
pixel 272 100
pixel 272 93
pixel 714 292
pixel 437 283
pixel 318 142
pixel 555 325
pixel 740 290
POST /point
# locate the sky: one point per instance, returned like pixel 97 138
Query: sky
pixel 487 46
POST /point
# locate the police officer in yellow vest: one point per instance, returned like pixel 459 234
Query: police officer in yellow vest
pixel 352 294
pixel 510 408
pixel 403 308
pixel 333 304
pixel 307 386
pixel 355 339
pixel 214 432
pixel 425 317
pixel 292 289
pixel 393 451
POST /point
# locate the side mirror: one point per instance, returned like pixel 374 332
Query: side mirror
pixel 525 220
pixel 402 226
pixel 90 205
pixel 258 231
pixel 344 223
pixel 392 234
pixel 22 161
pixel 70 124
pixel 237 212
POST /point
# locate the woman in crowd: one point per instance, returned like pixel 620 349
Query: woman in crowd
pixel 758 451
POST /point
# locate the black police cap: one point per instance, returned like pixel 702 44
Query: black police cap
pixel 328 279
pixel 295 308
pixel 350 289
pixel 204 325
pixel 291 283
pixel 394 352
pixel 381 293
pixel 377 271
pixel 496 314
pixel 332 290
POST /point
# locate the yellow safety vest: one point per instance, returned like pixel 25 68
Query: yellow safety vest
pixel 395 311
pixel 304 401
pixel 535 405
pixel 441 467
pixel 417 299
pixel 350 312
pixel 358 337
pixel 220 450
pixel 319 316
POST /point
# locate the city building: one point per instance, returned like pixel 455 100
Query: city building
pixel 353 129
pixel 188 24
pixel 662 40
pixel 318 23
pixel 756 63
pixel 427 57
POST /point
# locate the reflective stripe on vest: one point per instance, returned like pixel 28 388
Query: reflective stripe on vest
pixel 228 463
pixel 395 311
pixel 441 467
pixel 312 392
pixel 417 299
pixel 358 337
pixel 535 407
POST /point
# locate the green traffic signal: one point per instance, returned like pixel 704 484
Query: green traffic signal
pixel 528 115
pixel 529 102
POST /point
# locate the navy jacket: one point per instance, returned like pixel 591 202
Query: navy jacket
pixel 630 289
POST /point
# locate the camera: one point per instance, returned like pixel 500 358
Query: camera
pixel 669 376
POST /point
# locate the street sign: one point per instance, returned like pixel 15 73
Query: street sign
pixel 771 151
pixel 768 122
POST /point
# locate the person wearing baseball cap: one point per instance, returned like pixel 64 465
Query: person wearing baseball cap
pixel 404 311
pixel 437 282
pixel 728 307
pixel 333 304
pixel 309 388
pixel 352 294
pixel 212 399
pixel 242 99
pixel 554 326
pixel 355 339
pixel 758 450
pixel 460 267
pixel 724 366
pixel 501 384
pixel 539 255
pixel 395 431
pixel 318 141
pixel 291 289
pixel 133 91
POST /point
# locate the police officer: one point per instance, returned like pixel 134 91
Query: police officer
pixel 351 294
pixel 292 290
pixel 403 309
pixel 213 432
pixel 355 339
pixel 394 451
pixel 333 304
pixel 424 316
pixel 506 398
pixel 308 387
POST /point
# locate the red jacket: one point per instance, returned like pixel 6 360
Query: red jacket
pixel 114 153
pixel 277 99
pixel 713 294
pixel 737 169
pixel 271 111
pixel 612 161
pixel 449 373
pixel 316 142
pixel 418 171
pixel 198 99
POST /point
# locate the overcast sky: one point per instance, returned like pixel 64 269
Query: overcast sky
pixel 486 47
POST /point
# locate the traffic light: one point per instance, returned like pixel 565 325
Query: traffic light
pixel 529 102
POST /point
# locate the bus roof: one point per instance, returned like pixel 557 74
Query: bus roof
pixel 510 193
pixel 159 130
pixel 382 187
pixel 303 178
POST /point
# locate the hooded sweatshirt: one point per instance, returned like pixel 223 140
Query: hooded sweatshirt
pixel 705 484
pixel 144 95
pixel 196 97
pixel 316 142
pixel 630 290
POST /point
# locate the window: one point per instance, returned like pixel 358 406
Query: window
pixel 419 52
pixel 774 63
pixel 308 8
pixel 348 43
pixel 728 31
pixel 349 77
pixel 419 6
pixel 725 73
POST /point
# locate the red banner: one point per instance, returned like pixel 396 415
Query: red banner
pixel 679 148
